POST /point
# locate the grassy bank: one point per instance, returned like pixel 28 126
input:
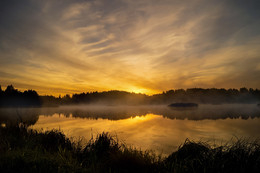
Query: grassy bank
pixel 26 150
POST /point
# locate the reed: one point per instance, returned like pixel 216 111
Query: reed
pixel 26 150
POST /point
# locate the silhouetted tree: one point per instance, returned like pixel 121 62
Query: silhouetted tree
pixel 11 97
pixel 243 90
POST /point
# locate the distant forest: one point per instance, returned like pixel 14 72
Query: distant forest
pixel 11 97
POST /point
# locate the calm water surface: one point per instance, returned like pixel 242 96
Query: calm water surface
pixel 157 128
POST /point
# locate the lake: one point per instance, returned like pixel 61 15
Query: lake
pixel 158 128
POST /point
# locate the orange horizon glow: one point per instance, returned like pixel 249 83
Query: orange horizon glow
pixel 143 47
pixel 56 92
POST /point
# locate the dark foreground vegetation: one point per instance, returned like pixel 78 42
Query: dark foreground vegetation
pixel 26 150
pixel 11 97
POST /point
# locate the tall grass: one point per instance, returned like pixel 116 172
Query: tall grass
pixel 240 156
pixel 26 150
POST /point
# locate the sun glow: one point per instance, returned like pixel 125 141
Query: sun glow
pixel 142 91
pixel 79 47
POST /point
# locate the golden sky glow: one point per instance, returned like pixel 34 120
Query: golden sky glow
pixel 59 47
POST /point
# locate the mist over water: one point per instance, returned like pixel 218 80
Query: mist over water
pixel 158 128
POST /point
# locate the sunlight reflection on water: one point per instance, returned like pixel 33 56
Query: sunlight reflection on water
pixel 153 132
pixel 155 128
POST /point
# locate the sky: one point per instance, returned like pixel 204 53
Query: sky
pixel 148 46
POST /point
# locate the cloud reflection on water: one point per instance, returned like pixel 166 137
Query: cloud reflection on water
pixel 147 127
pixel 154 131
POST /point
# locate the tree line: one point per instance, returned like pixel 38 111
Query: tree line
pixel 11 97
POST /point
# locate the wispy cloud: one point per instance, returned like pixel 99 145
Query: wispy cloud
pixel 145 46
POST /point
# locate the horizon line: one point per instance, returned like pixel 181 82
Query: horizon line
pixel 132 92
